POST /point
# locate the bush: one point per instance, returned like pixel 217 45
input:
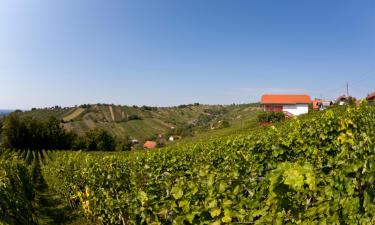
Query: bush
pixel 149 108
pixel 124 145
pixel 224 124
pixel 273 117
pixel 134 117
pixel 100 140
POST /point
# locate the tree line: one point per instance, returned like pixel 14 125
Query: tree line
pixel 29 133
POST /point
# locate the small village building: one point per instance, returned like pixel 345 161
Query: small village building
pixel 342 100
pixel 325 105
pixel 150 144
pixel 316 103
pixel 134 141
pixel 371 98
pixel 320 104
pixel 290 104
pixel 174 138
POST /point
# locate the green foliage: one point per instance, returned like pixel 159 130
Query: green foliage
pixel 225 124
pixel 315 169
pixel 99 140
pixel 351 100
pixel 29 133
pixel 181 131
pixel 16 191
pixel 149 108
pixel 124 144
pixel 134 117
pixel 273 117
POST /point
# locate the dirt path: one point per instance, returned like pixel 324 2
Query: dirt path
pixel 51 209
pixel 112 114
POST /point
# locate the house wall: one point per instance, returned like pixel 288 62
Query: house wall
pixel 296 109
pixel 273 108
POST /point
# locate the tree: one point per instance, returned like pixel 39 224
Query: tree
pixel 105 141
pixel 351 100
pixel 224 124
pixel 12 131
pixel 1 129
pixel 100 140
pixel 29 133
pixel 134 117
pixel 79 143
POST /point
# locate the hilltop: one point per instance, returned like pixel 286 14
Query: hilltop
pixel 145 122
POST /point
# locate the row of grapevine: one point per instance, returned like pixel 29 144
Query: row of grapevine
pixel 17 185
pixel 316 169
pixel 16 190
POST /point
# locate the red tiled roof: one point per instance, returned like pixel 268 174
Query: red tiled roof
pixel 285 99
pixel 371 96
pixel 149 144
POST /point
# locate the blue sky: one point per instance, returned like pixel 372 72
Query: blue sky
pixel 170 52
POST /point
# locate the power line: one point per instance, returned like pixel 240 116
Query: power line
pixel 353 82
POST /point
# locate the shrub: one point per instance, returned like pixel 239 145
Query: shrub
pixel 273 117
pixel 134 117
pixel 100 140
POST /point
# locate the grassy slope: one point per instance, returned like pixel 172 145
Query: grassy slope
pixel 153 121
pixel 243 119
pixel 43 114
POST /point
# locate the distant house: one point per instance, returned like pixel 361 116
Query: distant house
pixel 174 138
pixel 341 100
pixel 290 104
pixel 371 98
pixel 150 144
pixel 134 141
pixel 315 104
pixel 320 104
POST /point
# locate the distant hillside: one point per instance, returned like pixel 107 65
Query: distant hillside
pixel 144 122
pixel 4 112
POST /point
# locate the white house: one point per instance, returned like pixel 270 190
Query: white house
pixel 292 104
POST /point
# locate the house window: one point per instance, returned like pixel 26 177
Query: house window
pixel 274 108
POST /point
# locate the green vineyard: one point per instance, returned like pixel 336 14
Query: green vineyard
pixel 17 187
pixel 315 169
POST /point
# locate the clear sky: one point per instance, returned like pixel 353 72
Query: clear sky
pixel 169 52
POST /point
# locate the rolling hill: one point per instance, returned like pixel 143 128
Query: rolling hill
pixel 144 122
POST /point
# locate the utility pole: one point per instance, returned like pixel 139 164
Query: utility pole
pixel 347 89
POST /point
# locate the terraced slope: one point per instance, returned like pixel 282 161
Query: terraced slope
pixel 73 114
pixel 144 122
